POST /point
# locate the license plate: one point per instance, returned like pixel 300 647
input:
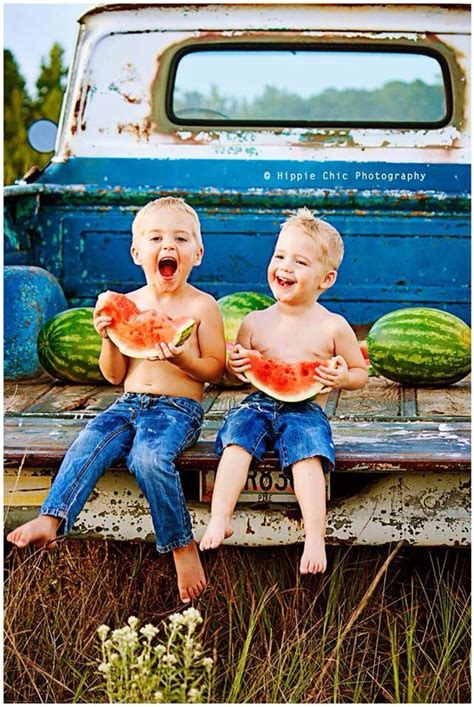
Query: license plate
pixel 261 486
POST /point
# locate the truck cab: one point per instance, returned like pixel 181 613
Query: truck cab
pixel 360 113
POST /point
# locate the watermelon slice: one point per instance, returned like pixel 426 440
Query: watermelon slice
pixel 288 382
pixel 134 332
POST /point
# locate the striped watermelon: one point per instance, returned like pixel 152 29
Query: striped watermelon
pixel 69 347
pixel 420 346
pixel 236 306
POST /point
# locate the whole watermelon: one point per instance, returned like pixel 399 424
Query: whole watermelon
pixel 420 346
pixel 69 347
pixel 234 308
pixel 32 296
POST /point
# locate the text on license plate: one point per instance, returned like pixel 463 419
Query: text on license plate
pixel 260 486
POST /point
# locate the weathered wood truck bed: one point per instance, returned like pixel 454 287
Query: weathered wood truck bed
pixel 402 466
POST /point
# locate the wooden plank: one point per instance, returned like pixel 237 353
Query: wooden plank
pixel 227 399
pixel 18 397
pixel 379 397
pixel 408 404
pixel 102 397
pixel 331 402
pixel 360 446
pixel 452 400
pixel 211 393
pixel 67 398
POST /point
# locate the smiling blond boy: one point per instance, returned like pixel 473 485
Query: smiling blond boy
pixel 304 264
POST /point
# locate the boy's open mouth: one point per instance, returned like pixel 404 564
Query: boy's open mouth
pixel 285 281
pixel 167 266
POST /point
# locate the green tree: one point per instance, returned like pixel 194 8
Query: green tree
pixel 17 155
pixel 20 110
pixel 51 84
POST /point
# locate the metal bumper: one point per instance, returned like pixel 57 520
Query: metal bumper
pixel 426 509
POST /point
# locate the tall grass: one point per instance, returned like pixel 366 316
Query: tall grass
pixel 277 637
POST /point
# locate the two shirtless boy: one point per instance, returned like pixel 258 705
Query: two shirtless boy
pixel 160 413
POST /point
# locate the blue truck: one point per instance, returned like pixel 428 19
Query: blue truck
pixel 360 113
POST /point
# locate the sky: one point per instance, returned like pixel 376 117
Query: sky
pixel 30 30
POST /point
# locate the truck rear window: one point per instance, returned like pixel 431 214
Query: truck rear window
pixel 311 86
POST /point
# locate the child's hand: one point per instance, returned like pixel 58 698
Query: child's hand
pixel 239 362
pixel 168 352
pixel 101 323
pixel 333 374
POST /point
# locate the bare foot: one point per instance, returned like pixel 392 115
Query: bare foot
pixel 218 529
pixel 191 577
pixel 314 556
pixel 40 532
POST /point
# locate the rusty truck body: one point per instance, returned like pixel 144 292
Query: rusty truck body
pixel 359 112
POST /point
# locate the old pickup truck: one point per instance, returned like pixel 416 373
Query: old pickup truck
pixel 360 113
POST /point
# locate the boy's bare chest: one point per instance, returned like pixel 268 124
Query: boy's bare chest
pixel 174 309
pixel 291 341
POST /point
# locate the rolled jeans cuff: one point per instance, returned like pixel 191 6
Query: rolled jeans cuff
pixel 174 545
pixel 56 513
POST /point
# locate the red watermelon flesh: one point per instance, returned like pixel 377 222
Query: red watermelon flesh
pixel 364 350
pixel 135 332
pixel 288 382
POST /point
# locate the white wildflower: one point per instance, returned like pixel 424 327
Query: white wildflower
pixel 133 622
pixel 125 636
pixel 103 632
pixel 170 659
pixel 192 616
pixel 133 667
pixel 149 631
pixel 194 695
pixel 105 668
pixel 176 620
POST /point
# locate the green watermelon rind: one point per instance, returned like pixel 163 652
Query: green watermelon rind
pixel 420 346
pixel 69 347
pixel 184 332
pixel 236 306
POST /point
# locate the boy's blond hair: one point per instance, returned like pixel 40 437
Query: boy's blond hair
pixel 323 234
pixel 166 202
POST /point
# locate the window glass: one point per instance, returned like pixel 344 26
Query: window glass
pixel 308 86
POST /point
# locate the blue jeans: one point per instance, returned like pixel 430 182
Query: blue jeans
pixel 148 432
pixel 296 431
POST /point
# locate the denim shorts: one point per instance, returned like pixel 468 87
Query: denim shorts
pixel 295 431
pixel 147 432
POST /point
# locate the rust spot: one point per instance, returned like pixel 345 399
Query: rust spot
pixel 130 99
pixel 84 103
pixel 293 514
pixel 78 110
pixel 139 130
pixel 75 114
